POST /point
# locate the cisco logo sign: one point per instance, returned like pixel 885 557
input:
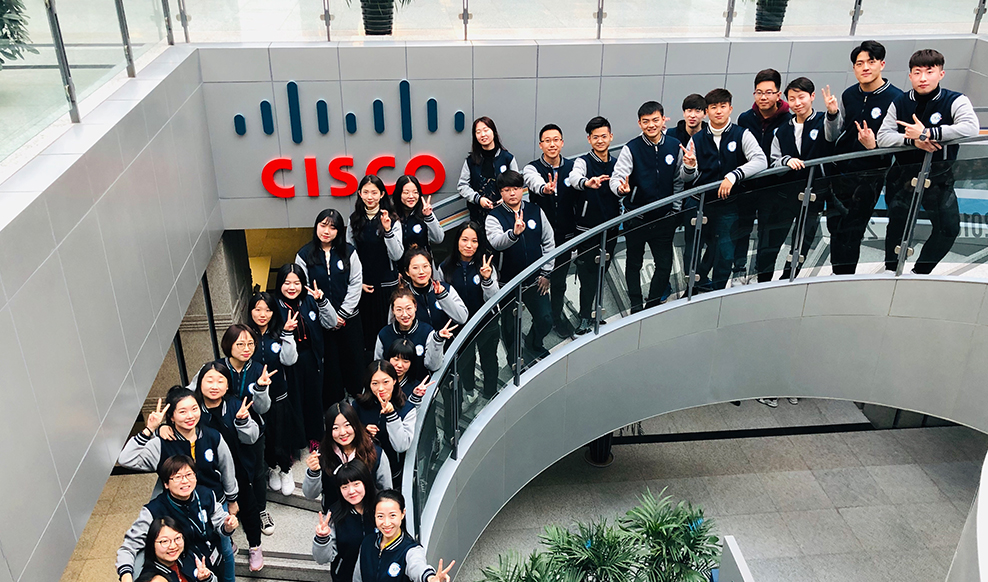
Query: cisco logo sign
pixel 338 168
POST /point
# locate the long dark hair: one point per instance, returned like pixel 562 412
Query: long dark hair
pixel 407 260
pixel 356 470
pixel 367 398
pixel 362 441
pixel 275 324
pixel 216 366
pixel 476 155
pixel 279 280
pixel 359 217
pixel 177 394
pixel 318 256
pixel 400 209
pixel 454 257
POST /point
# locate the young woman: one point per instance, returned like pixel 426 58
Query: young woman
pixel 400 355
pixel 487 160
pixel 391 554
pixel 375 233
pixel 312 313
pixel 428 342
pixel 226 413
pixel 284 433
pixel 468 269
pixel 437 303
pixel 348 440
pixel 171 563
pixel 419 226
pixel 387 415
pixel 346 524
pixel 332 263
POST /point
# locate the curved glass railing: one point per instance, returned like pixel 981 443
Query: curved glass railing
pixel 809 218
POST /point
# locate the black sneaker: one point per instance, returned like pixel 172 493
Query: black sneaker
pixel 564 328
pixel 267 524
pixel 586 326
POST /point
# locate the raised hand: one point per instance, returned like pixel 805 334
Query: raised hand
pixel 265 379
pixel 689 155
pixel 312 462
pixel 292 322
pixel 913 130
pixel 596 181
pixel 385 220
pixel 322 528
pixel 447 332
pixel 372 429
pixel 244 411
pixel 550 186
pixel 317 293
pixel 386 406
pixel 486 202
pixel 519 223
pixel 725 188
pixel 233 508
pixel 830 100
pixel 422 387
pixel 442 574
pixel 166 433
pixel 427 206
pixel 796 164
pixel 231 523
pixel 157 417
pixel 543 283
pixel 866 136
pixel 437 287
pixel 367 288
pixel 485 266
pixel 202 572
pixel 624 187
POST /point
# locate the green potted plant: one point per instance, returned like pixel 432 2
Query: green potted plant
pixel 14 39
pixel 378 15
pixel 595 552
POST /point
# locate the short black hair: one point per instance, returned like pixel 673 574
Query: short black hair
pixel 597 123
pixel 768 75
pixel 510 179
pixel 875 50
pixel 173 465
pixel 550 127
pixel 716 96
pixel 231 336
pixel 800 84
pixel 694 101
pixel 926 58
pixel 649 108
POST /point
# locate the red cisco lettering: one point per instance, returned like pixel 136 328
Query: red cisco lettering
pixel 267 178
pixel 428 161
pixel 379 163
pixel 311 177
pixel 337 172
pixel 349 182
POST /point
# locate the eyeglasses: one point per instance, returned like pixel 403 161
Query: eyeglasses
pixel 242 345
pixel 183 477
pixel 404 310
pixel 552 140
pixel 766 93
pixel 599 137
pixel 177 540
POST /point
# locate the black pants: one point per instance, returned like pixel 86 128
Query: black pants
pixel 251 494
pixel 783 221
pixel 483 343
pixel 588 270
pixel 557 287
pixel 855 196
pixel 343 362
pixel 374 309
pixel 305 391
pixel 657 233
pixel 538 307
pixel 758 203
pixel 940 204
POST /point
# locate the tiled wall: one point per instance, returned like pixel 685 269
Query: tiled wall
pixel 522 85
pixel 104 237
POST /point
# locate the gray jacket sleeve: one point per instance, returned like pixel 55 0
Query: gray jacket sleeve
pixel 533 180
pixel 965 124
pixel 248 430
pixel 778 160
pixel 301 263
pixel 327 314
pixel 141 453
pixel 452 304
pixel 228 473
pixel 463 185
pixel 353 289
pixel 312 484
pixel 133 543
pixel 357 576
pixel 324 548
pixel 498 238
pixel 436 234
pixel 433 351
pixel 678 184
pixel 349 233
pixel 400 430
pixel 513 165
pixel 490 287
pixel 218 517
pixel 416 567
pixel 888 134
pixel 548 242
pixel 393 242
pixel 756 159
pixel 383 477
pixel 289 354
pixel 831 127
pixel 378 348
pixel 262 401
pixel 578 175
pixel 622 169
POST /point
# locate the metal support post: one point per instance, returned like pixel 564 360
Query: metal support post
pixel 697 246
pixel 327 18
pixel 207 299
pixel 169 34
pixel 465 16
pixel 184 17
pixel 600 15
pixel 919 183
pixel 457 406
pixel 806 196
pixel 518 336
pixel 979 12
pixel 125 37
pixel 729 16
pixel 856 13
pixel 598 301
pixel 183 373
pixel 63 61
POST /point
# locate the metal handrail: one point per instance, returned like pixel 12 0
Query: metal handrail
pixel 564 250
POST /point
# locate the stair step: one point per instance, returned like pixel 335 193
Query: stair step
pixel 283 566
pixel 296 499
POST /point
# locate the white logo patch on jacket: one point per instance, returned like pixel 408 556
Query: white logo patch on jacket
pixel 339 264
pixel 208 455
pixel 876 112
pixel 417 229
pixel 312 315
pixel 419 350
pixel 476 279
pixel 504 168
pixel 394 569
pixel 732 146
pixel 531 223
pixel 936 118
pixel 814 133
pixel 670 159
pixel 276 347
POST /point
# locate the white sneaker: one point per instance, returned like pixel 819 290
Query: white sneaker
pixel 274 480
pixel 770 402
pixel 287 484
pixel 793 401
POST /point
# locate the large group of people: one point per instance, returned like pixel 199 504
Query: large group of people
pixel 329 367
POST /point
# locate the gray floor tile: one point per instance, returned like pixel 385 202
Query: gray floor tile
pixel 559 504
pixel 665 460
pixel 821 531
pixel 691 489
pixel 852 567
pixel 805 413
pixel 782 570
pixel 824 451
pixel 850 487
pixel 616 498
pixel 700 419
pixel 881 528
pixel 931 445
pixel 938 525
pixel 963 506
pixel 910 566
pixel 772 454
pixel 906 484
pixel 795 491
pixel 840 411
pixel 749 415
pixel 958 481
pixel 721 457
pixel 877 448
pixel 737 495
pixel 761 536
pixel 662 424
pixel 944 556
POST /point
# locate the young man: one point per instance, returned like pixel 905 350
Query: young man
pixel 807 136
pixel 694 113
pixel 548 183
pixel 924 118
pixel 647 170
pixel 857 187
pixel 769 112
pixel 521 233
pixel 724 153
pixel 593 204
